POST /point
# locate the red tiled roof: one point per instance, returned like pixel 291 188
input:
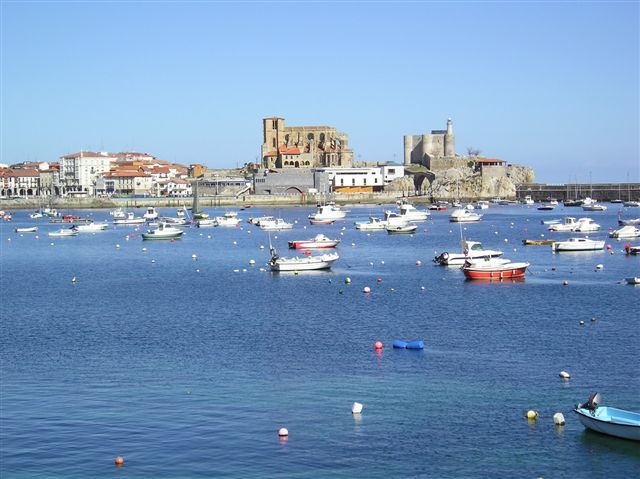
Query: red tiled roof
pixel 89 154
pixel 489 160
pixel 289 151
pixel 125 173
pixel 23 173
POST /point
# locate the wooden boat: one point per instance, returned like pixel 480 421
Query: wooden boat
pixel 609 420
pixel 401 229
pixel 30 229
pixel 537 242
pixel 494 269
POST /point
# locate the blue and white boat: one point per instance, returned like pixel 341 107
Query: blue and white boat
pixel 609 420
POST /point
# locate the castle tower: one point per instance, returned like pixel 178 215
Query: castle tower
pixel 408 148
pixel 449 140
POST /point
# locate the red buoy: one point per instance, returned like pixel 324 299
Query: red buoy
pixel 119 461
pixel 378 345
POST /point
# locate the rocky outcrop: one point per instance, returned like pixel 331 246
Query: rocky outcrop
pixel 465 183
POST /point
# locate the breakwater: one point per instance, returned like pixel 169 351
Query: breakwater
pixel 570 191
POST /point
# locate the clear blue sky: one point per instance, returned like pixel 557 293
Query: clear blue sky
pixel 551 85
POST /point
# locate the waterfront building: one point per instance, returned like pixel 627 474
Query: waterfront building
pixel 125 182
pixel 435 150
pixel 80 171
pixel 303 146
pixel 19 182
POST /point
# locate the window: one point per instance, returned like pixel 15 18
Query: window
pixel 274 142
pixel 365 182
pixel 376 180
pixel 341 181
pixel 353 181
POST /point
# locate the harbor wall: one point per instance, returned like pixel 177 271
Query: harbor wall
pixel 563 192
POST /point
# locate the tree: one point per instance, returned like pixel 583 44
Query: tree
pixel 471 151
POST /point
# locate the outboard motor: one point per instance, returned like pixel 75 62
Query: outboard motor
pixel 441 259
pixel 592 403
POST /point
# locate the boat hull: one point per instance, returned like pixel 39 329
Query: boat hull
pixel 309 263
pixel 312 244
pixel 611 421
pixel 516 270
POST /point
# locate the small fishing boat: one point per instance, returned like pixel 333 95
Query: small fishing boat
pixel 409 213
pixel 578 244
pixel 118 213
pixel 568 224
pixel 319 241
pixel 374 224
pixel 528 200
pixel 470 250
pixel 256 220
pixel 163 232
pixel 206 223
pixel 631 204
pixel 586 225
pixel 629 222
pixel 36 215
pixel 90 227
pixel 227 221
pixel 538 242
pixel 628 231
pixel 63 233
pixel 305 263
pixel 635 280
pixel 464 216
pixel 594 207
pixel 407 228
pixel 275 225
pixel 151 214
pixel 608 420
pixel 328 212
pixel 494 269
pixel 29 229
pixel 130 219
pixel 546 207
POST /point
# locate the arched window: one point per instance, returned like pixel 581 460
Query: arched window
pixel 310 136
pixel 321 137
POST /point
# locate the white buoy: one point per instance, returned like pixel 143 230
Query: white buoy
pixel 506 240
pixel 153 260
pixel 353 244
pixel 564 375
pixel 235 242
pixel 381 262
pixel 283 432
pixel 422 288
pixel 558 419
pixel 418 263
pixel 73 280
pixel 244 270
pixel 194 257
pixel 144 249
pixel 117 246
pixel 261 246
pixel 599 266
pixel 252 262
pixel 366 289
pixel 236 270
pixel 197 271
pixel 356 408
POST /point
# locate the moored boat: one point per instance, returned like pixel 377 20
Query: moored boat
pixel 537 242
pixel 151 214
pixel 322 222
pixel 275 225
pixel 464 216
pixel 407 228
pixel 63 233
pixel 163 232
pixel 319 241
pixel 29 229
pixel 305 263
pixel 374 224
pixel 608 420
pixel 328 212
pixel 90 227
pixel 227 221
pixel 206 223
pixel 470 250
pixel 594 207
pixel 629 222
pixel 130 219
pixel 494 269
pixel 628 231
pixel 578 244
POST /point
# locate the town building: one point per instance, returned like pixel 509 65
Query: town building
pixel 303 146
pixel 80 171
pixel 19 182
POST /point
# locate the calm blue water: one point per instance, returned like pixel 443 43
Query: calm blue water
pixel 187 369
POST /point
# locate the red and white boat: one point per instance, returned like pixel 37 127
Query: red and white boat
pixel 494 269
pixel 320 241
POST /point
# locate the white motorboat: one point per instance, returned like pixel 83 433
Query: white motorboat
pixel 328 212
pixel 206 223
pixel 231 214
pixel 150 214
pixel 528 200
pixel 594 207
pixel 29 229
pixel 374 224
pixel 631 204
pixel 586 225
pixel 256 221
pixel 480 205
pixel 629 222
pixel 567 224
pixel 546 207
pixel 409 213
pixel 464 216
pixel 319 241
pixel 633 280
pixel 305 263
pixel 63 233
pixel 163 232
pixel 35 215
pixel 578 244
pixel 91 227
pixel 118 213
pixel 172 221
pixel 471 250
pixel 227 221
pixel 131 219
pixel 275 225
pixel 625 232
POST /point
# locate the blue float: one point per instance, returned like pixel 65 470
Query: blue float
pixel 399 344
pixel 415 345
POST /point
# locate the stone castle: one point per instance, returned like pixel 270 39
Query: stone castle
pixel 435 151
pixel 303 146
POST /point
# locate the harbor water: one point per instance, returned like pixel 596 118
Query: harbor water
pixel 187 366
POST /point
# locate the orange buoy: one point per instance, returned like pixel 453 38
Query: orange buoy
pixel 378 345
pixel 119 461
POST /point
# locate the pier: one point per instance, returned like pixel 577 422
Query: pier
pixel 572 191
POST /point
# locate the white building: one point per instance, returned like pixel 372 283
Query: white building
pixel 80 171
pixel 362 180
